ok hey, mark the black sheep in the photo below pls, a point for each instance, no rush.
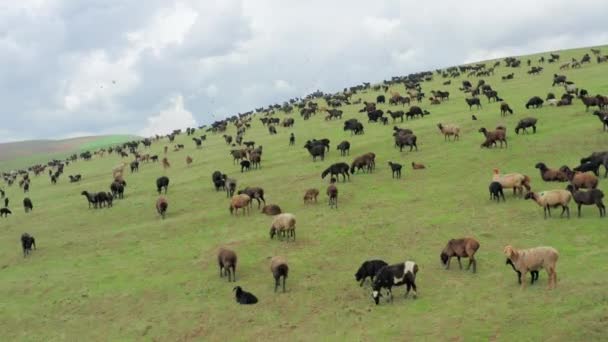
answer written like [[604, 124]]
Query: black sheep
[[6, 202], [396, 169], [590, 197], [27, 241], [525, 123], [369, 269], [533, 273], [473, 102], [395, 275], [90, 198], [134, 166], [534, 102], [27, 204], [245, 165], [219, 180], [244, 297], [337, 169], [315, 150], [118, 189], [292, 139], [600, 157], [593, 166], [162, 182], [344, 148], [496, 191], [5, 212]]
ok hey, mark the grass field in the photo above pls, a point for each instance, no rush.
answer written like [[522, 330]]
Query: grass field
[[125, 274]]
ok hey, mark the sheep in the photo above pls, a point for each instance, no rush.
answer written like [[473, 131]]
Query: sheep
[[332, 193], [315, 150], [603, 116], [369, 269], [402, 140], [279, 268], [533, 273], [504, 109], [590, 197], [310, 195], [188, 160], [364, 162], [245, 165], [271, 209], [534, 102], [230, 185], [533, 259], [118, 189], [493, 136], [226, 260], [161, 206], [219, 180], [584, 180], [460, 248], [525, 123], [27, 204], [598, 157], [134, 166], [244, 297], [395, 275], [449, 130], [418, 166], [396, 169], [5, 212], [515, 181], [496, 192], [90, 198], [473, 102], [551, 199], [283, 225], [592, 165], [344, 148], [551, 175], [240, 201], [162, 183], [254, 193], [337, 169], [27, 241]]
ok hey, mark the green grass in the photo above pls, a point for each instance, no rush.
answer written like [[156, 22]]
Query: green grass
[[125, 274]]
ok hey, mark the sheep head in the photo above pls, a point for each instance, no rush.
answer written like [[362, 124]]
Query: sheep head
[[510, 253], [444, 258], [273, 232]]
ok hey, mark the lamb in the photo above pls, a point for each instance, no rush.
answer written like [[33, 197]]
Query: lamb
[[460, 248], [161, 206], [27, 204], [240, 201], [396, 169], [245, 165], [515, 181], [244, 297], [395, 275], [162, 183], [5, 212], [590, 197], [493, 136], [279, 268], [226, 260], [534, 274], [525, 123], [27, 241], [332, 193], [552, 199], [551, 175], [369, 269], [496, 192], [364, 162], [283, 225], [504, 109], [449, 130], [418, 166], [310, 195], [344, 148], [271, 209], [533, 259]]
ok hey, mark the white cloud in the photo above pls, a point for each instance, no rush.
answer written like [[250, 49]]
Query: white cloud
[[283, 86], [380, 27], [176, 116], [211, 90]]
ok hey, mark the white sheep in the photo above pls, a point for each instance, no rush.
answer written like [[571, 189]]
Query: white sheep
[[534, 259], [552, 199], [283, 225]]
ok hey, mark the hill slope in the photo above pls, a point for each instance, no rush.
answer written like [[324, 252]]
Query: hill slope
[[123, 273]]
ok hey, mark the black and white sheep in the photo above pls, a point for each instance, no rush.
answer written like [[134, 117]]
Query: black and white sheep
[[395, 275]]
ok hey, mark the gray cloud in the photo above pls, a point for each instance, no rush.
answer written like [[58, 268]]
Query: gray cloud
[[116, 66]]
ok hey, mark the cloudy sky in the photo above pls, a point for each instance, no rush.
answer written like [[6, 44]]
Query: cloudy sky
[[82, 67]]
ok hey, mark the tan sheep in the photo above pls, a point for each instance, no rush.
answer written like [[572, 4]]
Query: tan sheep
[[279, 268], [239, 202], [310, 195], [516, 181], [449, 130], [533, 259], [283, 225], [584, 180], [552, 199]]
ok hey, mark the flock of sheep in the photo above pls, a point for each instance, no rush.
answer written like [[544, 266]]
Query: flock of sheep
[[283, 226]]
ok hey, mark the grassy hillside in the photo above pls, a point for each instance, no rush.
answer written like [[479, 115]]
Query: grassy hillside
[[25, 153], [125, 274]]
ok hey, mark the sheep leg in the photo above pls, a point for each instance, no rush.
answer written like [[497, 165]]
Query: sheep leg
[[522, 280], [579, 209], [284, 280], [409, 286], [276, 283], [447, 264], [459, 263], [415, 290]]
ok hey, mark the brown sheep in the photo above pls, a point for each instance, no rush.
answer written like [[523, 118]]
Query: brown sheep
[[188, 160], [418, 166], [161, 206], [166, 164], [492, 137], [237, 202], [365, 162], [584, 180], [271, 209], [226, 260], [332, 193], [551, 175], [466, 247], [310, 195], [279, 268], [515, 181]]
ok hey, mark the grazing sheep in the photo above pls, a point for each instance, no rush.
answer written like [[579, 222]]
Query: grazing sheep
[[473, 102], [254, 193], [534, 102], [240, 201], [584, 180], [515, 181], [226, 260], [279, 268], [396, 169], [332, 193], [271, 209], [27, 204], [365, 162], [418, 166], [504, 109], [525, 123], [27, 241], [590, 197], [395, 275], [161, 206], [310, 195], [460, 248], [284, 226], [5, 212], [230, 184], [162, 183], [492, 137], [496, 192], [449, 130], [551, 175], [552, 199], [244, 297], [337, 169], [533, 259], [369, 269], [534, 274], [344, 148]]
